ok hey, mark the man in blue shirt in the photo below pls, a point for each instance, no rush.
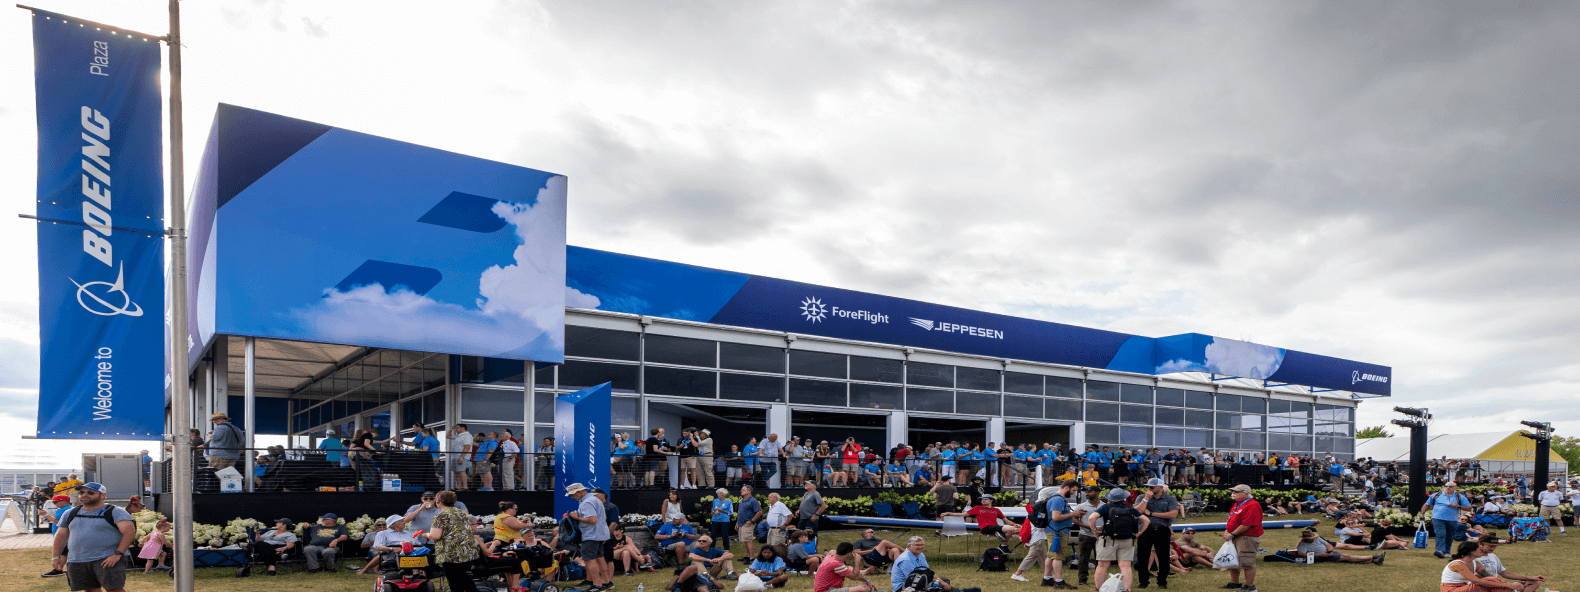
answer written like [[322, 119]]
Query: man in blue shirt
[[747, 515], [678, 536], [97, 547], [914, 558], [332, 445], [1445, 506], [947, 467], [480, 464], [1060, 519], [923, 477], [713, 560]]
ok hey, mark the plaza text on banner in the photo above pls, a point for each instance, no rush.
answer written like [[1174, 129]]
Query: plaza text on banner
[[581, 443], [101, 223]]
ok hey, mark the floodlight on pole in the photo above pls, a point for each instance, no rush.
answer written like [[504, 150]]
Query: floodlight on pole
[[1413, 412], [1539, 425], [1544, 439]]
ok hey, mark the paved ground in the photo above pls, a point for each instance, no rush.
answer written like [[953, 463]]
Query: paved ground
[[11, 539]]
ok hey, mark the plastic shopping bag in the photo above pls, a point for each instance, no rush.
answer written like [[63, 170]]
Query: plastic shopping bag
[[749, 582], [1227, 557], [1420, 538], [1115, 583]]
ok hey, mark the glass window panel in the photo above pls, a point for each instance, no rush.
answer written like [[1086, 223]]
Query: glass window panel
[[1301, 443], [1253, 441], [1344, 445], [663, 349], [1253, 405], [1171, 438], [1171, 397], [1278, 442], [623, 411], [1135, 414], [1059, 386], [929, 400], [1298, 409], [1197, 439], [1134, 436], [1324, 444], [871, 396], [817, 392], [545, 375], [1025, 384], [977, 379], [1135, 393], [752, 358], [1228, 421], [580, 375], [752, 387], [1198, 419], [1300, 426], [1173, 417], [433, 408], [587, 342], [1228, 439], [929, 374], [1228, 402], [411, 413], [1022, 406], [1102, 412], [678, 382], [1250, 422], [1102, 434], [1276, 406], [543, 408], [876, 369], [808, 363], [1344, 414], [1098, 390], [1198, 400], [1059, 408], [977, 403]]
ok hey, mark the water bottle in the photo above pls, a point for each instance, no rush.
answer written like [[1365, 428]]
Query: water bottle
[[640, 588]]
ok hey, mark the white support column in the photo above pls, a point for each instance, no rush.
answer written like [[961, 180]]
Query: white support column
[[995, 430], [1077, 438], [200, 388], [219, 375], [897, 429], [249, 384], [778, 423], [529, 436], [452, 416]]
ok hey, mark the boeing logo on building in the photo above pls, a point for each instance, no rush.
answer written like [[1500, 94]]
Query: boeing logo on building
[[814, 310], [1356, 377], [927, 325]]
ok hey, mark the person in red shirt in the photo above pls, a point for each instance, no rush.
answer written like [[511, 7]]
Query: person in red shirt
[[990, 520], [833, 572], [1245, 531], [850, 454]]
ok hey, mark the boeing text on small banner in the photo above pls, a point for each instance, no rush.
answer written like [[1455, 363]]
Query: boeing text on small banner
[[581, 443], [100, 250]]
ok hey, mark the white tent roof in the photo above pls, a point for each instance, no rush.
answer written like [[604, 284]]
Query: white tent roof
[[1453, 446]]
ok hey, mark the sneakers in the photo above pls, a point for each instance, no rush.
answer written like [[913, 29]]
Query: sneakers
[[1048, 582], [1141, 585], [1378, 558], [1231, 586], [1248, 589], [1439, 555], [1062, 586], [1018, 578], [54, 573]]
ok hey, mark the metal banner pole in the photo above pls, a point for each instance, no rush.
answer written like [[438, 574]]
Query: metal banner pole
[[180, 396], [249, 405]]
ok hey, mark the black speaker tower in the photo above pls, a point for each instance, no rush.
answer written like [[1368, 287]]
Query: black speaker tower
[[1417, 425], [1544, 439]]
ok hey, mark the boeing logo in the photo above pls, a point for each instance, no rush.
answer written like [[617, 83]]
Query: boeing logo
[[814, 310], [103, 307], [927, 325], [1356, 377]]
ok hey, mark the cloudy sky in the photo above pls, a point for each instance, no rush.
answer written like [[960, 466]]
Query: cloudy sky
[[1388, 182]]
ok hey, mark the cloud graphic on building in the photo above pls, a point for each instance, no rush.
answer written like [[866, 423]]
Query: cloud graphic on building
[[1242, 359]]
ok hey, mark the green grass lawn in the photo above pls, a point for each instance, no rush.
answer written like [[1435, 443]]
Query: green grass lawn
[[1404, 570]]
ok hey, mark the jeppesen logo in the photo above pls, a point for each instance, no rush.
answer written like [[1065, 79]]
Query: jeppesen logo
[[927, 325], [813, 309], [1356, 377]]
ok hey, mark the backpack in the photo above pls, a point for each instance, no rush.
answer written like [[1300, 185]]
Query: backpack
[[1040, 517], [570, 529], [572, 571], [1121, 523], [993, 559], [919, 580], [497, 456], [108, 516]]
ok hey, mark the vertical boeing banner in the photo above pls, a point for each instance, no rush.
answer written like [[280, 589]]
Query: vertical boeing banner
[[581, 443], [100, 232]]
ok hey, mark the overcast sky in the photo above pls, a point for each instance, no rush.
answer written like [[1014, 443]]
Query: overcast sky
[[1394, 183]]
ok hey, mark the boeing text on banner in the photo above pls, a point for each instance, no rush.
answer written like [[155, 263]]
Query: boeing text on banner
[[100, 245], [581, 443]]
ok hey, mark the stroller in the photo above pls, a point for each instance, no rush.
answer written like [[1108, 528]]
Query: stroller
[[406, 570]]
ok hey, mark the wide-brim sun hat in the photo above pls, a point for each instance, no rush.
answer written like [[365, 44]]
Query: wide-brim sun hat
[[1117, 495], [574, 488]]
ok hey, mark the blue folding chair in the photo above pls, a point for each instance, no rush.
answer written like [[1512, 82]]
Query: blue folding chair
[[913, 510], [884, 509]]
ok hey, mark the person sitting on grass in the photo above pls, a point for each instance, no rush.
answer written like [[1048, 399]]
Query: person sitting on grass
[[1193, 551], [717, 563], [801, 554], [1176, 556], [833, 573], [691, 578], [677, 536], [874, 552], [1380, 539], [1465, 573], [1489, 561], [1322, 551], [770, 568], [1476, 531]]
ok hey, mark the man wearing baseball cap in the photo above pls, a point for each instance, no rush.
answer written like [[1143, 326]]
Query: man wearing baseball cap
[[1245, 531], [98, 536], [595, 530], [1161, 508], [224, 443]]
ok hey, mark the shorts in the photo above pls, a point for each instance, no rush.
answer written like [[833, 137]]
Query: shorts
[[850, 466], [1550, 513], [688, 462], [1246, 546], [1209, 470], [993, 530], [1125, 550], [1055, 538], [90, 574], [482, 467], [845, 589], [1188, 470], [732, 473], [875, 558], [463, 466], [608, 551], [795, 469]]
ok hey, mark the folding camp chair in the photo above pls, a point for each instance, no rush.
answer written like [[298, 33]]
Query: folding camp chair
[[883, 509], [913, 510], [1193, 505]]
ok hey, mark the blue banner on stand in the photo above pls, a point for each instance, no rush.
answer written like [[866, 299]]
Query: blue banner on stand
[[581, 443], [100, 235]]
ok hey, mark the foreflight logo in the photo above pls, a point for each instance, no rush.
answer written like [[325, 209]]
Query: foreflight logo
[[104, 307], [927, 325], [1356, 377], [813, 309]]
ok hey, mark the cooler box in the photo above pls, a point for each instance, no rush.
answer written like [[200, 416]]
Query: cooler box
[[392, 483], [229, 480], [219, 557]]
